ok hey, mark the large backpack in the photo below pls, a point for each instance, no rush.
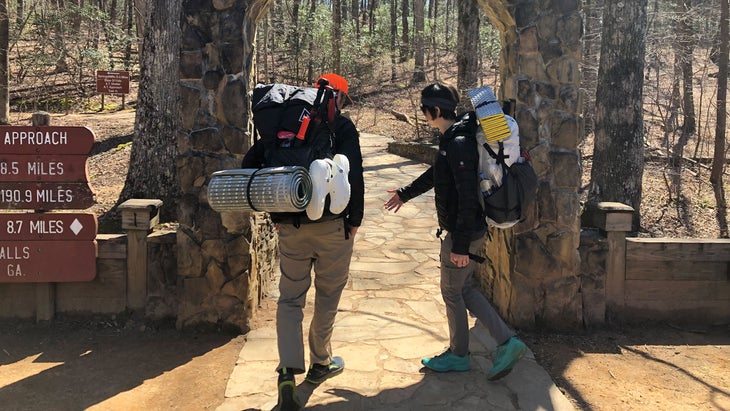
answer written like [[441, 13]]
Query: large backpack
[[295, 124], [507, 181]]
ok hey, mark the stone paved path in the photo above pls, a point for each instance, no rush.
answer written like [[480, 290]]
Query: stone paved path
[[391, 315]]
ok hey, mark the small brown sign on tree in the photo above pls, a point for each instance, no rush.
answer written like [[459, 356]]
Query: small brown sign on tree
[[112, 82]]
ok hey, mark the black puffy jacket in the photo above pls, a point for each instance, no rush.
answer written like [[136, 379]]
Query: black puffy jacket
[[454, 179]]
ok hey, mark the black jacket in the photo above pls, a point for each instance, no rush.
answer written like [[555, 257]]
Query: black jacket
[[454, 179], [347, 142]]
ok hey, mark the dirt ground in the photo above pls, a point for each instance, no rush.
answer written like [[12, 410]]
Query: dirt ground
[[122, 363], [112, 364]]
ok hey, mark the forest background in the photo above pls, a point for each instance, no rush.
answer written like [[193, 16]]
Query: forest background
[[388, 50]]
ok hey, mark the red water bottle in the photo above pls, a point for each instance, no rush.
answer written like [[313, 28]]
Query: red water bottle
[[303, 128]]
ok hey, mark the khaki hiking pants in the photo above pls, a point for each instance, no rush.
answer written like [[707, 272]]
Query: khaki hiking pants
[[321, 246], [460, 293]]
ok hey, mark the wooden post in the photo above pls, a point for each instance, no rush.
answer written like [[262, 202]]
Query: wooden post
[[138, 218], [615, 219], [45, 293]]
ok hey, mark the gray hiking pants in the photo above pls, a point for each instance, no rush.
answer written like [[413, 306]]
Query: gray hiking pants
[[460, 293], [321, 246]]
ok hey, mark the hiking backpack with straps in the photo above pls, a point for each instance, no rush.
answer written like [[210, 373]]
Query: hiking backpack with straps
[[295, 124], [507, 181]]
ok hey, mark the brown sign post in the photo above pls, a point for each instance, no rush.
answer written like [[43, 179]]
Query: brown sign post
[[112, 82], [43, 169]]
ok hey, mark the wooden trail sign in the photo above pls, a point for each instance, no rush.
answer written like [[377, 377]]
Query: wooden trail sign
[[47, 226], [45, 196], [47, 261], [45, 168], [45, 140], [50, 167], [112, 82]]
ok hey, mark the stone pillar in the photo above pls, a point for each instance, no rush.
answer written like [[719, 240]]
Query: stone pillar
[[533, 276], [214, 252]]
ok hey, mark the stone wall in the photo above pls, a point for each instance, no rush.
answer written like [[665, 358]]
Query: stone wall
[[220, 280], [533, 274]]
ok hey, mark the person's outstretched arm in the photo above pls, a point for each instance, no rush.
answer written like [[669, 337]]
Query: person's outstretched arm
[[400, 196]]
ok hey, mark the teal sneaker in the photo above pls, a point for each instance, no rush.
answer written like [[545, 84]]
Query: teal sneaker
[[288, 400], [505, 358], [318, 373], [447, 361]]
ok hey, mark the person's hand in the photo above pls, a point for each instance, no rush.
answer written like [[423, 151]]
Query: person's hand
[[459, 260], [353, 231], [394, 203]]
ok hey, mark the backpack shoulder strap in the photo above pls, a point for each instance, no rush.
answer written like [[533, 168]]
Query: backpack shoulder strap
[[500, 157]]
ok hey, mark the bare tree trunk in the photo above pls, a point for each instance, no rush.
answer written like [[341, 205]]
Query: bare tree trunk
[[337, 34], [405, 48], [591, 49], [355, 11], [140, 12], [419, 72], [372, 6], [683, 48], [344, 10], [719, 160], [434, 39], [447, 29], [467, 46], [393, 36], [113, 12], [59, 42], [130, 25], [20, 14], [262, 50], [4, 63], [618, 159], [152, 172], [77, 17], [310, 64], [293, 36]]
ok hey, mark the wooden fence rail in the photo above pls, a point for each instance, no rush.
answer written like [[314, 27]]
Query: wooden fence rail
[[671, 279]]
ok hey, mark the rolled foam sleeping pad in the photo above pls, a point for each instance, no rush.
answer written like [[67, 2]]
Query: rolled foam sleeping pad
[[274, 189]]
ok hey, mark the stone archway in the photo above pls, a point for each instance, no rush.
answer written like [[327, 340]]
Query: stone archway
[[538, 282], [219, 267], [222, 260]]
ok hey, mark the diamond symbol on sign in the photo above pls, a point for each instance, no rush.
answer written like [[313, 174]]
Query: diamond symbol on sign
[[76, 226]]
